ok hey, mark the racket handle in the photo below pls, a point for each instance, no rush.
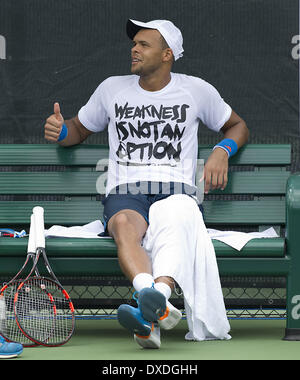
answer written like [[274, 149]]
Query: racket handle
[[31, 240], [38, 213]]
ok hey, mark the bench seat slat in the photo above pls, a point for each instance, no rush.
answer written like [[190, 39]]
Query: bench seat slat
[[106, 247]]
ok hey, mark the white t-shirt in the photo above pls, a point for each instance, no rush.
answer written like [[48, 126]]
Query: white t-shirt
[[153, 135]]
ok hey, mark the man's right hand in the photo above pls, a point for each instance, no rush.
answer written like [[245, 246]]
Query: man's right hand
[[54, 124]]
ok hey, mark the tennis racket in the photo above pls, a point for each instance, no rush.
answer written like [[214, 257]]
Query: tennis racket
[[8, 326], [43, 309]]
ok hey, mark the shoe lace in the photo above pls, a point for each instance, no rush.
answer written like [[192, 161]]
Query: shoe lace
[[135, 296]]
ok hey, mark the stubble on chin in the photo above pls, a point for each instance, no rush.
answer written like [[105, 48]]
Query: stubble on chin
[[136, 71]]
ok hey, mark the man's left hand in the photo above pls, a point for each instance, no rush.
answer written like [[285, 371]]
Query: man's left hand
[[216, 170]]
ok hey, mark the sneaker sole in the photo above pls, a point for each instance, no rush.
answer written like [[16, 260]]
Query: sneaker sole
[[171, 320], [152, 304], [129, 321], [147, 342], [9, 356]]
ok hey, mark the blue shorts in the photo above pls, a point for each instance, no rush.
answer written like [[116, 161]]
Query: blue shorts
[[140, 196]]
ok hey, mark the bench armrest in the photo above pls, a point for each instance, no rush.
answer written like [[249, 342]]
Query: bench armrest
[[293, 214], [292, 233]]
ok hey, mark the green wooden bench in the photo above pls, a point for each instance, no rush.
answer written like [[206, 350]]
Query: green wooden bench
[[261, 192]]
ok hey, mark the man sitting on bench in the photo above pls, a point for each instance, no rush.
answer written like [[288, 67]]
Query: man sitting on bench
[[152, 117]]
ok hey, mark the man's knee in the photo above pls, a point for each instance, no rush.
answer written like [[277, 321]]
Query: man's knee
[[127, 227], [119, 221], [118, 226]]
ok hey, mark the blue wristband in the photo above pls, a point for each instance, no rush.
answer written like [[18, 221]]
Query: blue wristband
[[63, 133], [229, 145]]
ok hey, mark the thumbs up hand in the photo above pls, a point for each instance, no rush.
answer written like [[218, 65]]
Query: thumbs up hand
[[53, 125], [57, 113]]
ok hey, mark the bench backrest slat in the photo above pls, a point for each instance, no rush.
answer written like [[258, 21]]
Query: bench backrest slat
[[84, 183], [80, 212], [89, 155], [254, 196]]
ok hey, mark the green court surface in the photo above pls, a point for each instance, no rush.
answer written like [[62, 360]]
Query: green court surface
[[107, 340]]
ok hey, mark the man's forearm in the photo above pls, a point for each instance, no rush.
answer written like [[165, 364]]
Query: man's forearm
[[238, 132], [216, 166]]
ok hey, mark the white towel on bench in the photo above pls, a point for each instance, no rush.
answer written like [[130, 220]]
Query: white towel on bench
[[87, 231], [179, 246], [238, 240], [235, 239]]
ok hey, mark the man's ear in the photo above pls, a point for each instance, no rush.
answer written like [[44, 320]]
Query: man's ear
[[168, 55]]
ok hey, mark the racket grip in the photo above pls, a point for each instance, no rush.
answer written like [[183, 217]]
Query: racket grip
[[38, 213], [31, 240]]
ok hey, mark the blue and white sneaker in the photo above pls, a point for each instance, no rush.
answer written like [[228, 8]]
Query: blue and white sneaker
[[150, 341], [152, 304], [155, 307], [146, 334], [171, 317], [9, 350]]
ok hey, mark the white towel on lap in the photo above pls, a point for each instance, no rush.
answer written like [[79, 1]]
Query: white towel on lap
[[179, 246]]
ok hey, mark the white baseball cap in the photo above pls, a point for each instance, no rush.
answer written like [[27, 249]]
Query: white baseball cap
[[167, 29]]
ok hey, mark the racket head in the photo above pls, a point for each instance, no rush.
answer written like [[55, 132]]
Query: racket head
[[44, 311], [9, 328], [8, 325]]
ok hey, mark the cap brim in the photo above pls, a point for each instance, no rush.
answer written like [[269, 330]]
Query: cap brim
[[132, 28]]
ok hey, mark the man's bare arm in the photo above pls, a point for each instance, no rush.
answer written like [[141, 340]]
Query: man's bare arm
[[77, 132], [216, 167], [236, 129]]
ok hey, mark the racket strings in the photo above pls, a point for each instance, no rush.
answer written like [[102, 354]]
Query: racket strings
[[43, 312], [9, 328]]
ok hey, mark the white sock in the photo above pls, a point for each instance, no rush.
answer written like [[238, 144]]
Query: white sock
[[163, 288], [142, 280]]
